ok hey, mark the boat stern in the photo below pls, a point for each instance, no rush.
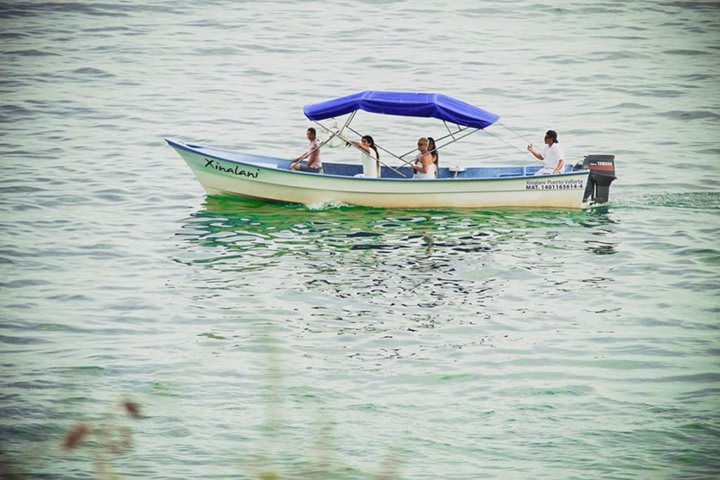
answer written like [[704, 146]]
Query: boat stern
[[602, 174]]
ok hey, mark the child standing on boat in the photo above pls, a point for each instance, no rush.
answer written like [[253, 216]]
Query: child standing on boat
[[314, 165]]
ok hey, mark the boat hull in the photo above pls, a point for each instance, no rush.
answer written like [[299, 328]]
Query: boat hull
[[223, 172]]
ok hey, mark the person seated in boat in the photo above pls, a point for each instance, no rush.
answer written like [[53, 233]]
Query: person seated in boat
[[370, 156], [552, 156], [314, 165], [424, 165], [432, 148]]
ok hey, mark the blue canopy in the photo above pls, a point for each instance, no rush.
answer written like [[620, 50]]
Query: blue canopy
[[433, 105]]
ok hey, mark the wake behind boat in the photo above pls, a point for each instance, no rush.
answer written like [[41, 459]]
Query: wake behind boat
[[231, 172]]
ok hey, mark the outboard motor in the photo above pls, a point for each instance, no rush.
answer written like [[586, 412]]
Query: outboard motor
[[602, 173]]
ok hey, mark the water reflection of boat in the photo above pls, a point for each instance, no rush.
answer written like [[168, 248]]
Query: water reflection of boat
[[252, 225], [229, 172], [354, 258]]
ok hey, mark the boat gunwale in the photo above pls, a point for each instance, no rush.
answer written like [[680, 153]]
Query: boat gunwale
[[195, 150]]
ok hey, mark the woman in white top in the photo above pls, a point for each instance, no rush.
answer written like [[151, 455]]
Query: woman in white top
[[552, 156], [424, 165], [370, 156]]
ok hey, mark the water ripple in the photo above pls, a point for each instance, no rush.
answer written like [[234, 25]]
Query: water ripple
[[440, 341]]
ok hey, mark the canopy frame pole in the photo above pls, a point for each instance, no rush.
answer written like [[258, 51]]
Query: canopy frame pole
[[347, 122], [319, 145], [360, 149], [451, 134], [472, 130], [335, 134], [378, 146], [438, 140], [455, 139], [450, 131]]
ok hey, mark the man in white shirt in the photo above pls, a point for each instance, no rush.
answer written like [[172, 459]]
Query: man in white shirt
[[552, 156]]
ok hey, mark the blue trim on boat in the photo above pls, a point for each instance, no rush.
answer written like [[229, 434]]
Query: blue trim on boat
[[349, 170]]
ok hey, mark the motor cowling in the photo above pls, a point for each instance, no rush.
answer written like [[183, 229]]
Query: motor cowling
[[602, 174]]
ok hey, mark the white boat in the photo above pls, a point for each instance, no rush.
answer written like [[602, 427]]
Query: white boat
[[231, 172]]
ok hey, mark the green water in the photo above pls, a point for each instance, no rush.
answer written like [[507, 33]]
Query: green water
[[279, 341]]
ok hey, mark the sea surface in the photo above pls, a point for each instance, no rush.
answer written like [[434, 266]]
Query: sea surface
[[150, 331]]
